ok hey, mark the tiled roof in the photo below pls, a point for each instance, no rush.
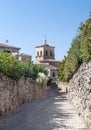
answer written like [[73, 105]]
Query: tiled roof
[[26, 55], [45, 45], [49, 60], [51, 67], [7, 46]]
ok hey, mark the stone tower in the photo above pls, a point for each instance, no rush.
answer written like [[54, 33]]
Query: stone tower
[[44, 52]]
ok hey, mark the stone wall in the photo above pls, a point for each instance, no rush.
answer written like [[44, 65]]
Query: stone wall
[[80, 91], [14, 93]]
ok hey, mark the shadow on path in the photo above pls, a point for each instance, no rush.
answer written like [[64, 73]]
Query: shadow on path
[[53, 112]]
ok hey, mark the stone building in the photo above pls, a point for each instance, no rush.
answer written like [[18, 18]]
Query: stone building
[[25, 57], [45, 55], [9, 49], [15, 51]]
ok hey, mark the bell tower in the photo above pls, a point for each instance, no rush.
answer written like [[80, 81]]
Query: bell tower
[[44, 52]]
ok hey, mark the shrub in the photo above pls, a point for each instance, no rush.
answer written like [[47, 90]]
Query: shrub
[[42, 79], [14, 68]]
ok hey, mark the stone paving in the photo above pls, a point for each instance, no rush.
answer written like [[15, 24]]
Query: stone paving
[[53, 112]]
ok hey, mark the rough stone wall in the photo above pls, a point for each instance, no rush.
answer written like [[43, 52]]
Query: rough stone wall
[[80, 91], [14, 93]]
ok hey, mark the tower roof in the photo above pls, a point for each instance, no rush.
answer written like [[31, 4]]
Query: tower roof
[[44, 44]]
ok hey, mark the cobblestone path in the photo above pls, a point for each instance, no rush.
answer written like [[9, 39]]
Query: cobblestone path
[[53, 112]]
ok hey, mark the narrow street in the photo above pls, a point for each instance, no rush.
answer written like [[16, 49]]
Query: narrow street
[[53, 112]]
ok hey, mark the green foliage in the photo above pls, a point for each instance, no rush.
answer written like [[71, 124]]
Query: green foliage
[[79, 52], [85, 31], [42, 79], [49, 81], [14, 68], [9, 65], [31, 70]]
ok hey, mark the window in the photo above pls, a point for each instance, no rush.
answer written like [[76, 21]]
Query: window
[[40, 53], [50, 53], [37, 53], [46, 53]]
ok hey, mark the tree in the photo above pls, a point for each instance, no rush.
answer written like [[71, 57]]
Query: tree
[[79, 52], [70, 63]]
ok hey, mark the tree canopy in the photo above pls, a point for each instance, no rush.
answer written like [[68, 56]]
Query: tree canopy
[[79, 52], [14, 68]]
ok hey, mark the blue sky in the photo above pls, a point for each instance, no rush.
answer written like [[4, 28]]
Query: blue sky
[[25, 23]]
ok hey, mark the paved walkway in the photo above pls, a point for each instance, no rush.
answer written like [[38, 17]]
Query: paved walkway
[[52, 112]]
